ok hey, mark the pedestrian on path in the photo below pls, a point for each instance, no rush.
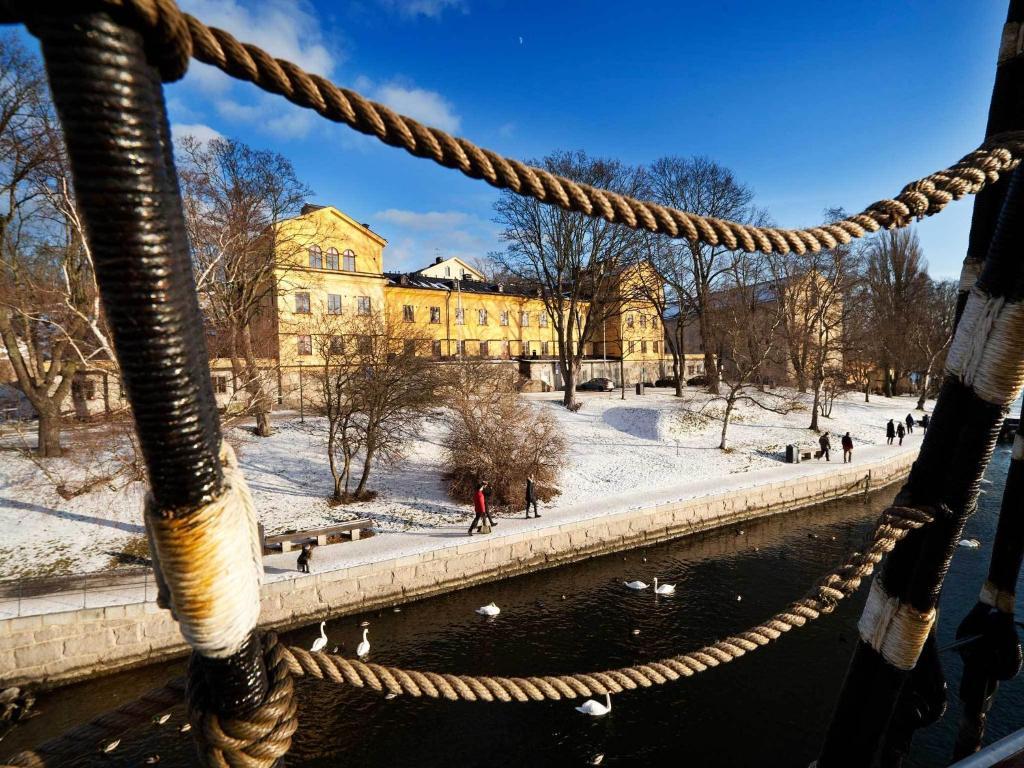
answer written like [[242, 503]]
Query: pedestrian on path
[[531, 497], [910, 424], [826, 446], [305, 555], [847, 449], [900, 432], [890, 431], [925, 421], [480, 509]]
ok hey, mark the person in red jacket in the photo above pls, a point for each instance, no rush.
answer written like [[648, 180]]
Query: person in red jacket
[[480, 508]]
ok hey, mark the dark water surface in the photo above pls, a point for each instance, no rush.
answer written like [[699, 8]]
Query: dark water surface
[[770, 708]]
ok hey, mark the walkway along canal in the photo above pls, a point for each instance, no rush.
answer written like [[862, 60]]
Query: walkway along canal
[[771, 708]]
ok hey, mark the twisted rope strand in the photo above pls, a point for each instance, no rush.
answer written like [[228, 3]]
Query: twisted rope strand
[[174, 37]]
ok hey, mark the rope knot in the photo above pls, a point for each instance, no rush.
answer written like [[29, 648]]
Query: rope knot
[[254, 739]]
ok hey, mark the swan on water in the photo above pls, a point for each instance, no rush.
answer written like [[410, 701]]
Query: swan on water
[[596, 708], [664, 589], [161, 719], [110, 746], [636, 584], [321, 642], [364, 647], [970, 543], [489, 610]]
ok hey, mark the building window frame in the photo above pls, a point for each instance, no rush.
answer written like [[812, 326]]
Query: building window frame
[[363, 305], [331, 261], [220, 385], [460, 316], [503, 317], [333, 303], [524, 319], [316, 257], [484, 349], [409, 313], [629, 321], [304, 344], [435, 315], [302, 306], [348, 260], [481, 316], [542, 319]]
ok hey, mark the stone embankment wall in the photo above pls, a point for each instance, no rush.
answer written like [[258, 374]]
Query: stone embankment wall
[[60, 647]]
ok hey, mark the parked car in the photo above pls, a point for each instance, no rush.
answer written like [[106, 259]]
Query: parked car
[[667, 382], [698, 381], [597, 385]]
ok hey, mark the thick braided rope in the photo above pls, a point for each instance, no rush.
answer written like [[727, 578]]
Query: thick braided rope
[[895, 524], [174, 36], [254, 739]]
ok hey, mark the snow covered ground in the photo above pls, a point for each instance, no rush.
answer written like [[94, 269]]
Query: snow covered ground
[[620, 452]]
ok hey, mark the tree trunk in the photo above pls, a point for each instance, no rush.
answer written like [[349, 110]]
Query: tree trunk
[[366, 472], [333, 466], [258, 400], [570, 373], [78, 401], [815, 407], [710, 367], [725, 422], [49, 433]]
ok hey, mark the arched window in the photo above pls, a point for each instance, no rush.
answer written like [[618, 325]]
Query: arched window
[[316, 257], [348, 260], [332, 258]]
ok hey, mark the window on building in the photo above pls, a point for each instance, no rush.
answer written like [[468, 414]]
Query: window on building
[[461, 347], [89, 388], [305, 344], [506, 349], [542, 319], [363, 305], [333, 304], [410, 346], [365, 345], [447, 271], [544, 348], [435, 315], [643, 346], [337, 345], [348, 260], [632, 347], [524, 319], [483, 349], [460, 316], [503, 317], [435, 349], [316, 257], [220, 384], [332, 258], [629, 321], [481, 317], [408, 313], [643, 321], [302, 303], [656, 345], [654, 321]]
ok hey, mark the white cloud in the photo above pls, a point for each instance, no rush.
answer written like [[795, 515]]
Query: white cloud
[[198, 131], [284, 28], [426, 106], [433, 9], [415, 220]]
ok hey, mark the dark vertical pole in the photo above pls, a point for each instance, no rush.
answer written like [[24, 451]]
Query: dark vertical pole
[[111, 106]]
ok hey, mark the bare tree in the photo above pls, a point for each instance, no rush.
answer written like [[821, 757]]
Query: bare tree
[[898, 284], [575, 260], [932, 330], [664, 282], [692, 268], [746, 329], [235, 197]]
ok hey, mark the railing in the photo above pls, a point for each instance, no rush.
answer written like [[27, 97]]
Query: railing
[[52, 594]]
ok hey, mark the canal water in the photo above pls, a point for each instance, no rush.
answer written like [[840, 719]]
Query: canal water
[[771, 707]]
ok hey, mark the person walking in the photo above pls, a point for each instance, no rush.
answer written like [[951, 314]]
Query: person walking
[[900, 432], [480, 508], [531, 497], [925, 421], [910, 424], [890, 431], [826, 446], [847, 449], [305, 555]]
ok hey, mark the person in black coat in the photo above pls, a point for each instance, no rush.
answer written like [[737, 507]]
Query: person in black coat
[[826, 446], [890, 431], [910, 424], [900, 432], [925, 421], [531, 497]]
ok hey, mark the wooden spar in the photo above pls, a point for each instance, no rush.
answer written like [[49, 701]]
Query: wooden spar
[[880, 705], [110, 101]]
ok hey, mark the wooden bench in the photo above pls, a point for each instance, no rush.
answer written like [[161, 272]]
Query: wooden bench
[[318, 536]]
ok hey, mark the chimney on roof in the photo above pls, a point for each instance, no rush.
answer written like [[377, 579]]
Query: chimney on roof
[[438, 259], [403, 279], [365, 225], [310, 207], [501, 288]]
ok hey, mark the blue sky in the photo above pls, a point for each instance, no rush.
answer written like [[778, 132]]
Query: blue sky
[[812, 104]]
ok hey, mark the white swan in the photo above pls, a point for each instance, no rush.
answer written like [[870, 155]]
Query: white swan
[[596, 708], [636, 584], [664, 589], [364, 647], [970, 543], [320, 642], [489, 610]]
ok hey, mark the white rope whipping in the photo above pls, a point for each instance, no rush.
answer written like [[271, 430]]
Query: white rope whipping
[[987, 353], [969, 275], [897, 631], [996, 598], [1017, 452], [209, 565]]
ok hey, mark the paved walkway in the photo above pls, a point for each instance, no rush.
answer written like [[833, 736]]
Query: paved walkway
[[388, 546]]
